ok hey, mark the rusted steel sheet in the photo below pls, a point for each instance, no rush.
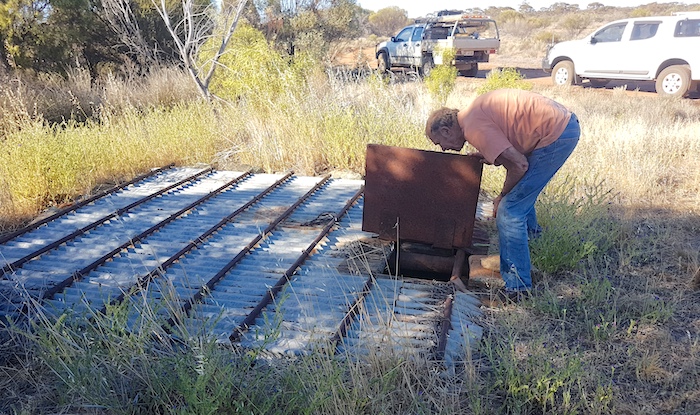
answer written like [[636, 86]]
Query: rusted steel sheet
[[421, 196]]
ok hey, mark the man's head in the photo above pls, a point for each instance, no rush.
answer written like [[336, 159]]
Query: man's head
[[443, 129]]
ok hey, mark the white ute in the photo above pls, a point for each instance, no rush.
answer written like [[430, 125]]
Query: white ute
[[665, 49], [472, 38]]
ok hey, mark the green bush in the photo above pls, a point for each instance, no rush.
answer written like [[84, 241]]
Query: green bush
[[250, 69], [442, 78], [575, 227], [504, 78]]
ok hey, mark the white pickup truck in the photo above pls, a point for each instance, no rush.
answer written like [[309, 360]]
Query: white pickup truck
[[419, 46], [665, 49]]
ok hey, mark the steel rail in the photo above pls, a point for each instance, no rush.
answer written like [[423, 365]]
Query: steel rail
[[445, 326], [353, 311], [274, 290], [18, 263], [78, 275], [80, 204], [142, 281], [243, 252]]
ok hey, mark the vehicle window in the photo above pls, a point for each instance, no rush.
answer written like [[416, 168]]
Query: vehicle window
[[687, 28], [478, 29], [417, 34], [404, 35], [436, 32], [611, 33], [644, 30]]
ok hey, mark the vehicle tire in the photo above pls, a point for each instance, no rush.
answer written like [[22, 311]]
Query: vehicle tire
[[674, 81], [471, 72], [426, 67], [563, 74], [598, 83], [383, 64]]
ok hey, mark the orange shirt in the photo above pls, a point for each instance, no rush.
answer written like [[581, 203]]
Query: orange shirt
[[503, 118]]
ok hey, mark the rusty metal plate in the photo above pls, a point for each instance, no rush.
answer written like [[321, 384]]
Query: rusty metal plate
[[421, 196]]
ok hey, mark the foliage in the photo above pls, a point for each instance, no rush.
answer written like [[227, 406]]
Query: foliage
[[44, 35], [54, 35], [575, 227], [547, 37], [441, 80], [562, 8], [574, 24], [641, 12], [306, 26], [388, 21], [504, 78], [544, 381], [47, 166], [254, 70]]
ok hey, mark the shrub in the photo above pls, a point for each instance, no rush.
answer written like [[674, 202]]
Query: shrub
[[442, 78], [641, 12], [547, 37], [575, 227], [504, 78], [251, 68], [574, 24]]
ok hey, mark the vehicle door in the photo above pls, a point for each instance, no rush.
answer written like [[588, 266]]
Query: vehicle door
[[415, 50], [398, 47], [601, 54], [686, 43], [635, 60]]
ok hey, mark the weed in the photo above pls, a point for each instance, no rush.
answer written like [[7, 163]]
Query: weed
[[441, 80], [576, 227], [504, 78]]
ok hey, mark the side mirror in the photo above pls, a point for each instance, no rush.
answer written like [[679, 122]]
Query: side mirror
[[393, 38], [593, 40]]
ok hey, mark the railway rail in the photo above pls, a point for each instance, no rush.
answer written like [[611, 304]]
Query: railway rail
[[269, 261]]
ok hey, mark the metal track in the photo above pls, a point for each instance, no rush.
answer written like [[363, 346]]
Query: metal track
[[274, 262]]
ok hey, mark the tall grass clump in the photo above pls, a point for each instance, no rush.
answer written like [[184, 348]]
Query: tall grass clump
[[543, 376], [504, 78], [577, 225], [48, 166]]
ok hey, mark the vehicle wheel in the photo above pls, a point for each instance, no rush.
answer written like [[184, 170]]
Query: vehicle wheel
[[563, 74], [383, 63], [427, 67], [674, 81], [598, 83], [471, 72]]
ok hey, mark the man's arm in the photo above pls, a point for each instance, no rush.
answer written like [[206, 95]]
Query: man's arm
[[516, 166]]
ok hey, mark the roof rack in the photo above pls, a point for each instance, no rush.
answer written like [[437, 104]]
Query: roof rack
[[449, 16]]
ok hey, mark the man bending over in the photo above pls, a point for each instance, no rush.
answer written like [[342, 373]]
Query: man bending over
[[531, 136]]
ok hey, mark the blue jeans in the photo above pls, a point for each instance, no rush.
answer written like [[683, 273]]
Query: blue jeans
[[516, 218]]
